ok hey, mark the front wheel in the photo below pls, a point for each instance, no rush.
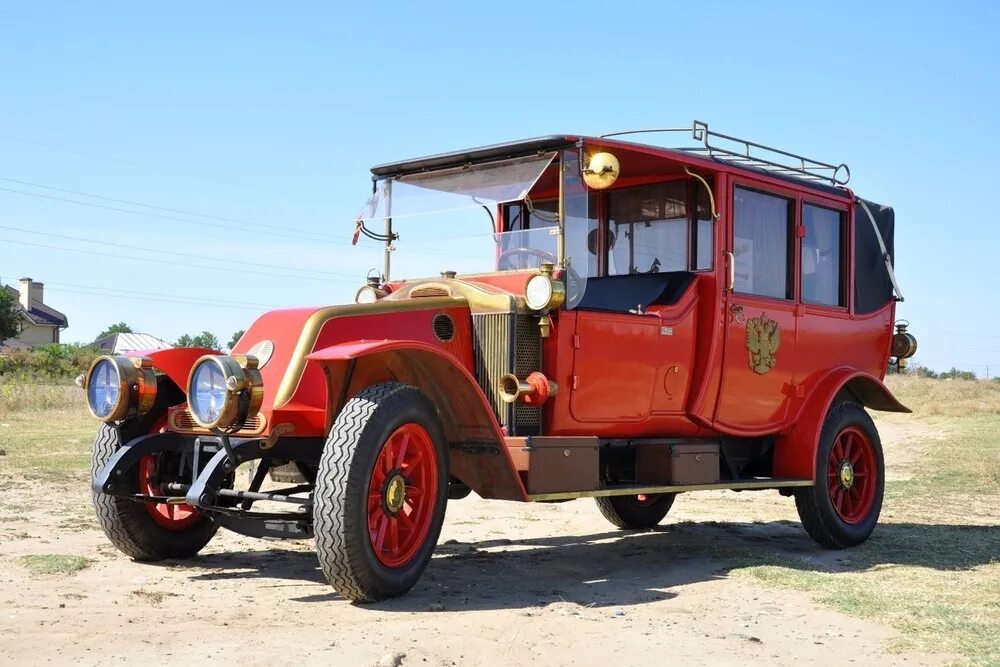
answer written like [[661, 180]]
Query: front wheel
[[381, 492], [146, 531], [841, 509], [641, 511]]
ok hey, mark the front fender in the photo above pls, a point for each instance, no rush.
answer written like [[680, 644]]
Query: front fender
[[478, 453], [175, 362], [795, 451]]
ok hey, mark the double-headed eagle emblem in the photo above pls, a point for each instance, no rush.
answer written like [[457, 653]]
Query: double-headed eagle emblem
[[763, 339]]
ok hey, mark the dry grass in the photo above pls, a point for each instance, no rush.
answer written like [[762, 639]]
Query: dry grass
[[932, 568], [43, 564], [18, 397], [45, 430], [947, 398]]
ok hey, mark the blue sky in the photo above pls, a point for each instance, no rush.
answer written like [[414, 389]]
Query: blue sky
[[251, 113]]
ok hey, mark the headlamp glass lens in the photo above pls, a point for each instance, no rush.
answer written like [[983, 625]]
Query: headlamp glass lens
[[538, 292], [103, 389], [207, 395]]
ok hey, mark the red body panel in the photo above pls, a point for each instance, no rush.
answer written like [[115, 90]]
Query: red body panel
[[679, 370], [795, 450], [467, 416], [175, 362]]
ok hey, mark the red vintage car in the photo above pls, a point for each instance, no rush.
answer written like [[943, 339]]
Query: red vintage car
[[611, 320]]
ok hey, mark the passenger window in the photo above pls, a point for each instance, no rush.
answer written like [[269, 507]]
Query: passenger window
[[649, 229], [822, 256], [761, 242]]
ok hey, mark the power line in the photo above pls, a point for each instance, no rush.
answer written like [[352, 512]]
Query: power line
[[103, 290], [316, 239], [152, 300], [272, 230], [204, 267], [154, 206], [144, 165], [206, 299], [132, 247], [152, 297]]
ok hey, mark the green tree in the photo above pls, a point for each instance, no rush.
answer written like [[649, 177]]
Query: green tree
[[236, 338], [204, 339], [956, 374], [10, 315], [121, 327]]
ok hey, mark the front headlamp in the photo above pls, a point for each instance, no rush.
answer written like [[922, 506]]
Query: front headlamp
[[120, 387], [543, 292], [224, 391], [371, 291]]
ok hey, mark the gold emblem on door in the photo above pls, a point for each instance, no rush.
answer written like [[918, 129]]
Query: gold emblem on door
[[763, 339]]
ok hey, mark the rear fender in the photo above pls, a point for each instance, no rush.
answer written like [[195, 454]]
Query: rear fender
[[477, 452], [795, 451]]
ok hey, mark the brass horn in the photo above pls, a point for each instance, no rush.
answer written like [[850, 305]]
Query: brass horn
[[534, 390]]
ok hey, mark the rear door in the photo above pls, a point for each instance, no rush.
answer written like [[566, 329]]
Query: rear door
[[760, 322]]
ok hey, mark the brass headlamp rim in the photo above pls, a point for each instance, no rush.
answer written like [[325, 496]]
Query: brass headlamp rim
[[557, 295], [241, 375], [378, 291], [136, 386]]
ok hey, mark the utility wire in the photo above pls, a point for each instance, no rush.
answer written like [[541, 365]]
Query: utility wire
[[144, 165], [116, 290], [155, 207], [154, 300], [158, 251], [316, 239], [204, 267], [152, 297]]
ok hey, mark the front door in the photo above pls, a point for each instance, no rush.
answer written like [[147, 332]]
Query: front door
[[760, 327]]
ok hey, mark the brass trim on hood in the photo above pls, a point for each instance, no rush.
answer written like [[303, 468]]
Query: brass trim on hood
[[482, 298], [314, 324]]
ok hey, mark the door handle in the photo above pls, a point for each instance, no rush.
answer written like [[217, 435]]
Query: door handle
[[736, 310], [731, 265]]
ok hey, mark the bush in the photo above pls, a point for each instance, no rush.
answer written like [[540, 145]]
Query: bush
[[52, 362], [955, 374]]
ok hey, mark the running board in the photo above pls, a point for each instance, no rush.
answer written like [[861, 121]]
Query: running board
[[756, 484]]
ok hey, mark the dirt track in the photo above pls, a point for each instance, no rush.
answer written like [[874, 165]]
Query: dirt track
[[509, 584]]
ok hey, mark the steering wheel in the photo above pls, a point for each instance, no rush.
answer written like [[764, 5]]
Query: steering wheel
[[506, 255]]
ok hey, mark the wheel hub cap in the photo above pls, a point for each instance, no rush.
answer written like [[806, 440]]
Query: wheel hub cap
[[846, 475], [395, 493]]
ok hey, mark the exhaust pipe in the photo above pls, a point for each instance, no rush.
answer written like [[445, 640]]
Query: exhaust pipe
[[534, 390]]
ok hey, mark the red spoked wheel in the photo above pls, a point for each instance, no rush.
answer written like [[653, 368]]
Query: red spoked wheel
[[381, 492], [402, 494], [842, 508], [852, 475], [169, 516], [146, 531]]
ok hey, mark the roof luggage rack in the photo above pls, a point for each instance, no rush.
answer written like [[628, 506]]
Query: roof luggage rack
[[752, 154]]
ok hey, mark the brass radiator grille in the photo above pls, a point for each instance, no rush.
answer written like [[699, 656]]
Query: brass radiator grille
[[507, 343]]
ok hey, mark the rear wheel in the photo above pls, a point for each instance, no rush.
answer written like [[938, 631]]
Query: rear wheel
[[381, 492], [150, 531], [640, 511], [842, 508]]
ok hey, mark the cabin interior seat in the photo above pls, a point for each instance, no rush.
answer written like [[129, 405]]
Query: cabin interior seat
[[621, 294]]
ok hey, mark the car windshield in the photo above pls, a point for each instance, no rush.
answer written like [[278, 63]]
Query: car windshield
[[497, 216]]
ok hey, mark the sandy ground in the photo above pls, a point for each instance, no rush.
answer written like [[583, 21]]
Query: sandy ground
[[510, 584]]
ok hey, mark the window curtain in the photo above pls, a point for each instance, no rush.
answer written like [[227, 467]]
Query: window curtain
[[760, 244]]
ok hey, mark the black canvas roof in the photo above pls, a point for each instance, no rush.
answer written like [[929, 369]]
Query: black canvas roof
[[558, 141], [481, 154]]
